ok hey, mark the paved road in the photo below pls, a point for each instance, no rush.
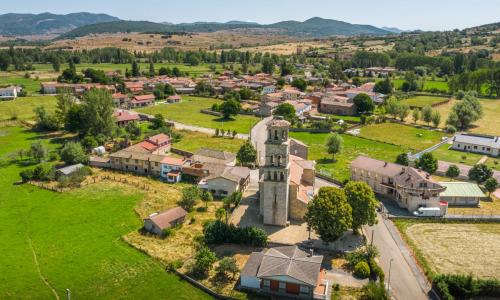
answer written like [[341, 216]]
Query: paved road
[[407, 281]]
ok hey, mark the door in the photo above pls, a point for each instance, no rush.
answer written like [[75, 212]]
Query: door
[[292, 288], [275, 285]]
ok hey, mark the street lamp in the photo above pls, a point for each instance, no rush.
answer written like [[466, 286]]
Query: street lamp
[[389, 280]]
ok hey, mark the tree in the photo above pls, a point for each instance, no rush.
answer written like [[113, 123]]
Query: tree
[[299, 83], [158, 122], [416, 115], [73, 153], [491, 184], [362, 200], [133, 130], [56, 63], [65, 101], [480, 173], [428, 163], [465, 112], [364, 103], [203, 262], [219, 213], [427, 114], [436, 118], [5, 61], [189, 197], [151, 70], [235, 198], [334, 144], [97, 113], [206, 197], [226, 266], [329, 214], [268, 65], [384, 86], [453, 171], [410, 84], [402, 159], [230, 108], [286, 69], [402, 111], [135, 69], [45, 121], [38, 152], [204, 89], [287, 111], [89, 142], [247, 154]]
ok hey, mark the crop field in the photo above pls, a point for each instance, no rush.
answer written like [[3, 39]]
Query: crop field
[[57, 241], [421, 101], [22, 107], [458, 248], [188, 112], [353, 147], [406, 136]]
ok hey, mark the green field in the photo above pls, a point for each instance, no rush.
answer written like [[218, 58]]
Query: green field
[[466, 158], [23, 107], [403, 135], [421, 101], [76, 239], [192, 141], [188, 112], [30, 84], [353, 147], [429, 84]]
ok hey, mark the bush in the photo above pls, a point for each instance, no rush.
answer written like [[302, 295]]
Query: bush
[[362, 270], [26, 175], [356, 257], [376, 270], [173, 265], [451, 129], [167, 232], [218, 232], [204, 260], [465, 287], [374, 291]]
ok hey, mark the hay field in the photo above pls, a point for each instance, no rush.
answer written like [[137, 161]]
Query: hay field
[[459, 248]]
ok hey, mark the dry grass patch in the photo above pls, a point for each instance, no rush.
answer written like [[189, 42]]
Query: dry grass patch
[[455, 248], [486, 207]]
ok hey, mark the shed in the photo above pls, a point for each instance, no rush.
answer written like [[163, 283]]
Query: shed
[[66, 171], [156, 223], [461, 193]]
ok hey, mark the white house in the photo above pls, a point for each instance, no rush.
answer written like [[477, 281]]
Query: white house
[[171, 168], [9, 92], [484, 144], [224, 180], [268, 89]]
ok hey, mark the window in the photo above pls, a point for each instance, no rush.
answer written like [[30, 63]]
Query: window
[[276, 135], [276, 176], [279, 160], [304, 289], [156, 164], [282, 285], [269, 177], [267, 283], [282, 176]]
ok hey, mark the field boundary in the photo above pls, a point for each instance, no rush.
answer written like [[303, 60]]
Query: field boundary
[[45, 281]]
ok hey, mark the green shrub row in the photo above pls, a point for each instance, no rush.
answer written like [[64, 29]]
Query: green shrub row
[[451, 287], [218, 232]]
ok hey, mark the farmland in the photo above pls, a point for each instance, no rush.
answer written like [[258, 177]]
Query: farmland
[[22, 107], [406, 136], [421, 101], [76, 239], [353, 147], [455, 248], [192, 141], [188, 112]]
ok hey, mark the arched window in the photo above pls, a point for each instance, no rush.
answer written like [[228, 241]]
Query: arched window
[[282, 176], [272, 159], [269, 134], [283, 134], [279, 160], [275, 175], [276, 134]]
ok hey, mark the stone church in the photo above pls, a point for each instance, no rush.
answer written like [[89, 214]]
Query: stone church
[[286, 181]]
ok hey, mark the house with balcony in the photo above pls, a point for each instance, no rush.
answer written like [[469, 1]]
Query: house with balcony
[[287, 272], [410, 188]]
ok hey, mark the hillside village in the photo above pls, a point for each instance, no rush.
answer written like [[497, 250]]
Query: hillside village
[[364, 169]]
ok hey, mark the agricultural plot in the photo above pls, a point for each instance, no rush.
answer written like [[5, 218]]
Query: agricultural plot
[[192, 141], [22, 107], [458, 248], [422, 101], [188, 112], [353, 147], [30, 84], [75, 238], [402, 135]]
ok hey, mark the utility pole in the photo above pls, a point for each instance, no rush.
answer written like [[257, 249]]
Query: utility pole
[[389, 280], [371, 243], [68, 294]]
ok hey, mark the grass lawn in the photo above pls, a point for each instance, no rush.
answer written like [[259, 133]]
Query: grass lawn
[[454, 248], [188, 112], [30, 84], [76, 237], [23, 107], [489, 123], [353, 147], [454, 156], [421, 101], [402, 135], [192, 141]]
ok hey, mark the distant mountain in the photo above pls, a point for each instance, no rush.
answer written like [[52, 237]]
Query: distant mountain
[[393, 29], [314, 27], [47, 23]]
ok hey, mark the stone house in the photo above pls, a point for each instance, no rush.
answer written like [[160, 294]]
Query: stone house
[[156, 223]]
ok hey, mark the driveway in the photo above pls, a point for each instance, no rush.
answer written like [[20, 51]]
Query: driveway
[[345, 279], [407, 281]]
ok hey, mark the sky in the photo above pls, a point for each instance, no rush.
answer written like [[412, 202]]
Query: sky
[[404, 14]]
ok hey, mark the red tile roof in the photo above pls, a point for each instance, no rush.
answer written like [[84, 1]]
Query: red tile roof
[[144, 98]]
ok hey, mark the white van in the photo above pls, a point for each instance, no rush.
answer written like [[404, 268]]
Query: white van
[[428, 212]]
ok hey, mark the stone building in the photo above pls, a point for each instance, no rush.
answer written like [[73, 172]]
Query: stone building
[[286, 181]]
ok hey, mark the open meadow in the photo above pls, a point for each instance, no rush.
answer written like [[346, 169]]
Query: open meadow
[[22, 107], [455, 248], [402, 135], [188, 112], [72, 240], [353, 147], [421, 101], [192, 141]]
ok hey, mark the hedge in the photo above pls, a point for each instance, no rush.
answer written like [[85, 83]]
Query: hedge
[[451, 287], [218, 232]]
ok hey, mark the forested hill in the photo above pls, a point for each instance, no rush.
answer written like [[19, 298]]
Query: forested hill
[[47, 23], [314, 27]]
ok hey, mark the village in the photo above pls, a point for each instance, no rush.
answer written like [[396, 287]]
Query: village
[[346, 170]]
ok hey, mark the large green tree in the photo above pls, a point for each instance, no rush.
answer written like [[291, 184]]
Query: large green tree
[[73, 153], [364, 103], [247, 154], [97, 113], [230, 108], [480, 173], [287, 111], [465, 112], [428, 163], [329, 214], [334, 144], [362, 200]]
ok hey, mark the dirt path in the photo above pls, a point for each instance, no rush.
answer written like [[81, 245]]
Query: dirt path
[[45, 281]]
